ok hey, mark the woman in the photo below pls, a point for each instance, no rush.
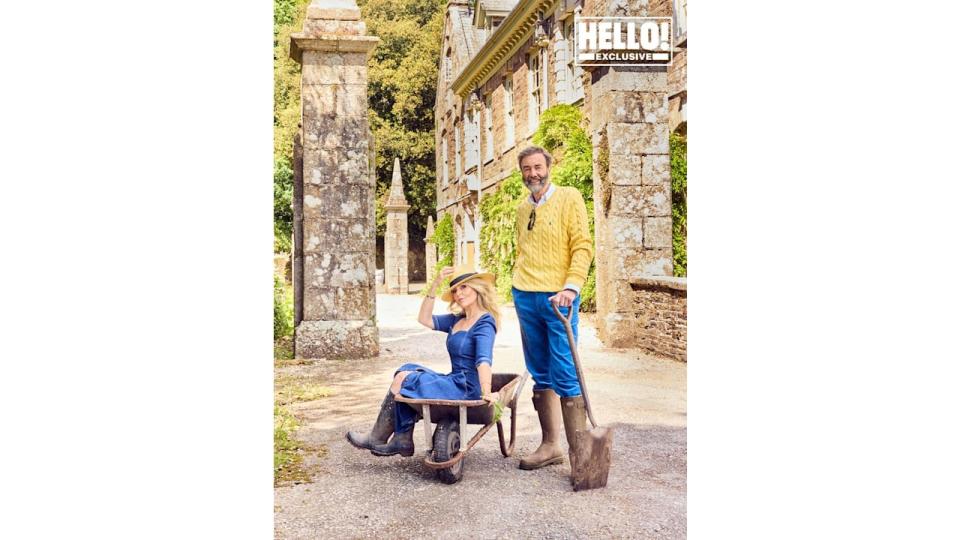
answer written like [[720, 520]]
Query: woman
[[471, 329]]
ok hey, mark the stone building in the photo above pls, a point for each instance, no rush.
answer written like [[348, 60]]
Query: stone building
[[502, 64]]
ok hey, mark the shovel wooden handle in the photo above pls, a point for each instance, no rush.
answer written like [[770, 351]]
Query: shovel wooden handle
[[566, 320]]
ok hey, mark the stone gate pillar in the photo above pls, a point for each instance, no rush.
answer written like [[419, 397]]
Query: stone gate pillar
[[629, 115], [632, 198], [396, 244], [338, 239], [431, 250]]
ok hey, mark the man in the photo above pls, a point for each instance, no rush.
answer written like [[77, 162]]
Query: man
[[554, 251]]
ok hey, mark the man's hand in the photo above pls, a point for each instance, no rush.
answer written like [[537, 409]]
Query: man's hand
[[564, 298]]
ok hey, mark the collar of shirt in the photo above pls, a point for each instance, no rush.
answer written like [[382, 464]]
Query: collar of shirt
[[538, 204]]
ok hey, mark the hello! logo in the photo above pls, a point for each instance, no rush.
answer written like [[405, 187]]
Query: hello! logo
[[623, 41]]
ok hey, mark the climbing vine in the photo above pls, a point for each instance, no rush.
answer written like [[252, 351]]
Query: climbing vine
[[445, 241], [561, 134], [678, 185], [498, 236]]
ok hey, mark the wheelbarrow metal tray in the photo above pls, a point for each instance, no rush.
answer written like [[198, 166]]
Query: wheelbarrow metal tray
[[479, 412]]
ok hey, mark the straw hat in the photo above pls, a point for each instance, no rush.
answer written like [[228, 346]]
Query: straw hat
[[464, 273]]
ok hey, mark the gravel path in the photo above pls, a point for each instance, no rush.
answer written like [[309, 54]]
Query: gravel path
[[357, 495]]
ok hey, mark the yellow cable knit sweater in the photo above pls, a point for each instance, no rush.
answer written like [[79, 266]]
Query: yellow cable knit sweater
[[558, 250]]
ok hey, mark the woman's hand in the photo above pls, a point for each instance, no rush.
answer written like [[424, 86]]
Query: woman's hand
[[491, 397], [443, 275]]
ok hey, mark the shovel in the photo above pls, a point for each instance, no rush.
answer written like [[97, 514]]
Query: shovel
[[590, 457]]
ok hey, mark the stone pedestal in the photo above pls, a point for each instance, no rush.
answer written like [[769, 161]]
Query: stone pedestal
[[337, 239], [431, 251], [396, 243]]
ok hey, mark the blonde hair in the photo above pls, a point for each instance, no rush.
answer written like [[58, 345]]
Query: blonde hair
[[486, 298]]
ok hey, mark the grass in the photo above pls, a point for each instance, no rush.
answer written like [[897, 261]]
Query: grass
[[288, 451], [289, 390], [285, 447]]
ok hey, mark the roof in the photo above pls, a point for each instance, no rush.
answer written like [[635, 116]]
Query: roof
[[466, 39], [497, 5]]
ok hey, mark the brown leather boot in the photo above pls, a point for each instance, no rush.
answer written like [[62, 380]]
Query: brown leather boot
[[574, 420], [547, 406], [382, 428]]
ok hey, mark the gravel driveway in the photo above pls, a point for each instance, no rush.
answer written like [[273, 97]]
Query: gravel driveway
[[357, 495]]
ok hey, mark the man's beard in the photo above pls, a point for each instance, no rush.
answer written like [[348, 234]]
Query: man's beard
[[533, 186]]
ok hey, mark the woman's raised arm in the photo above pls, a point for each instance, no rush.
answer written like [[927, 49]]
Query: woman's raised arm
[[426, 308]]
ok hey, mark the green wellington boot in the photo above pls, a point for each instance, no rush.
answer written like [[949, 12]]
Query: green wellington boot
[[401, 443], [547, 405], [382, 428], [574, 420]]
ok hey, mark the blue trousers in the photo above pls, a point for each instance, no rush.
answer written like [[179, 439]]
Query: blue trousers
[[546, 348]]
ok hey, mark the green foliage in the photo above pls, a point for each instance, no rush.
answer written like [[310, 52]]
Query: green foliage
[[402, 77], [288, 17], [498, 235], [282, 211], [282, 309], [445, 241], [678, 185], [284, 14], [558, 125], [284, 445], [402, 88]]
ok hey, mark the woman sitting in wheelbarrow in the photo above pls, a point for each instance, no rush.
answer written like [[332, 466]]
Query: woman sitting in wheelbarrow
[[471, 329]]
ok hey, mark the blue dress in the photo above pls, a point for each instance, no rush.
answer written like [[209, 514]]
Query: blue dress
[[468, 349]]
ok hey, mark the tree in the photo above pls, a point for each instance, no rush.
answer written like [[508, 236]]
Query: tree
[[402, 86], [402, 89]]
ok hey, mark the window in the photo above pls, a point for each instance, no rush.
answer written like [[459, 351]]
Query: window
[[508, 110], [534, 82], [456, 149], [574, 86], [679, 21], [445, 158], [488, 127], [448, 68]]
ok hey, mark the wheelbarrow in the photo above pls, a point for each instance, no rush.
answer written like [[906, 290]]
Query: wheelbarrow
[[443, 444]]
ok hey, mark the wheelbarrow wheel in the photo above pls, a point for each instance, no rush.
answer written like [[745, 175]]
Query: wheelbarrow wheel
[[446, 445]]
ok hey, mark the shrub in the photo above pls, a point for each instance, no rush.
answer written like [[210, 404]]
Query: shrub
[[282, 209], [282, 309], [498, 235], [678, 185], [445, 241]]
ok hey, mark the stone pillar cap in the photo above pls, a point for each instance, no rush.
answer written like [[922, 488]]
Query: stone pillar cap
[[330, 43], [396, 201]]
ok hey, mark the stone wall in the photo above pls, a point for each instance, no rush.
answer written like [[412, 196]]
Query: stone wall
[[659, 307]]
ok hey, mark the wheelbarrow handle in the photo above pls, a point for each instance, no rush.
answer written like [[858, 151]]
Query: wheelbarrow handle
[[566, 320]]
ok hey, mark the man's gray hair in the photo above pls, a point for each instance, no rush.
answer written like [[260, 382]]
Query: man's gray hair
[[531, 150]]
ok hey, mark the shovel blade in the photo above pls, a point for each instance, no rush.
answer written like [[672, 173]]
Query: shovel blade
[[590, 461]]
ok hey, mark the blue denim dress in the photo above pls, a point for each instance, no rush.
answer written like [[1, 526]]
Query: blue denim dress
[[468, 349]]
